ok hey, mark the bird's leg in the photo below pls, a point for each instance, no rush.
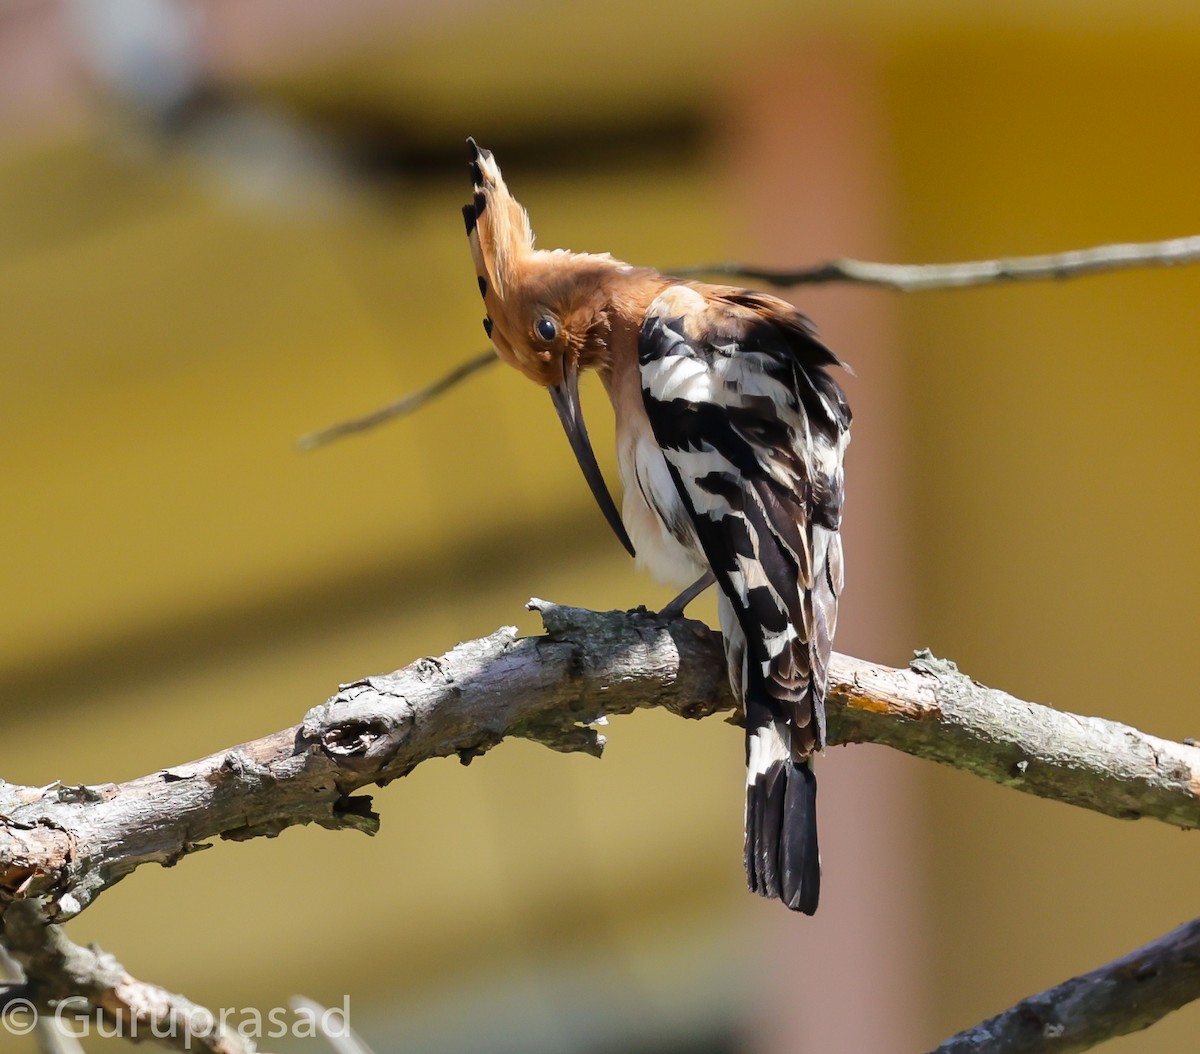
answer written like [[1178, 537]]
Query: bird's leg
[[675, 608]]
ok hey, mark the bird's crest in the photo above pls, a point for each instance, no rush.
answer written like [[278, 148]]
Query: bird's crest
[[545, 310], [498, 229]]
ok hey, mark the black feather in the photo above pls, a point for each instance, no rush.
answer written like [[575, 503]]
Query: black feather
[[801, 856]]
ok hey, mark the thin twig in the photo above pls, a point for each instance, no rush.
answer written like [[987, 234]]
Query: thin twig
[[902, 278], [1125, 996], [53, 1038], [401, 407], [68, 844], [63, 979], [920, 278], [344, 1039]]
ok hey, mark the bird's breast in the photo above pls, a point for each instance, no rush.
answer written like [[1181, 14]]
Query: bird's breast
[[654, 514]]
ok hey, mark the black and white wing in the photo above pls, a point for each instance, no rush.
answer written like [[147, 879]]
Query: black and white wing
[[753, 429]]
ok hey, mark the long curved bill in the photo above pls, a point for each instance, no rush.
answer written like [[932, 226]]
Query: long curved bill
[[566, 402]]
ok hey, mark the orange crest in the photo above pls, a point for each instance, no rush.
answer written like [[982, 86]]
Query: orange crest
[[500, 236], [547, 311]]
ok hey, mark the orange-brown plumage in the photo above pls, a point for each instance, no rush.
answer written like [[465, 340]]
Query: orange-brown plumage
[[730, 436], [592, 298]]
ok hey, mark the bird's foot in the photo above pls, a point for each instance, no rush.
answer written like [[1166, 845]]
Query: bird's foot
[[676, 607]]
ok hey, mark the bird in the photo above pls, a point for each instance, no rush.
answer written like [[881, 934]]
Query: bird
[[731, 433]]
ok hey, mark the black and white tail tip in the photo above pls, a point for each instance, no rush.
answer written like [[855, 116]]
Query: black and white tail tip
[[783, 861]]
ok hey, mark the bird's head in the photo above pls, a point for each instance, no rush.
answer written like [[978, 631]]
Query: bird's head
[[548, 313]]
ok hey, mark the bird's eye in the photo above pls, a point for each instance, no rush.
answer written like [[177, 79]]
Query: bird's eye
[[547, 329]]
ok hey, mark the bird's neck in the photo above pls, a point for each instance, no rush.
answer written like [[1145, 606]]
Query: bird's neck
[[630, 296]]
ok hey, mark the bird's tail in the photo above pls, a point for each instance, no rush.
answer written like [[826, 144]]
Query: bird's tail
[[782, 858]]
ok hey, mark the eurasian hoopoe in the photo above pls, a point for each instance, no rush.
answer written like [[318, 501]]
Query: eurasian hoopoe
[[730, 436]]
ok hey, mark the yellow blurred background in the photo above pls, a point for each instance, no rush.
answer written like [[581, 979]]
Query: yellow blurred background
[[226, 223]]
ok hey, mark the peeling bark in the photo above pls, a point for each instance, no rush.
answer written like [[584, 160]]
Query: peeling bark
[[69, 843]]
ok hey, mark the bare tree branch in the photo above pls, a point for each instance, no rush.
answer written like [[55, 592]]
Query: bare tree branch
[[58, 970], [902, 278], [401, 407], [1125, 996], [64, 845], [920, 278], [935, 712], [68, 844]]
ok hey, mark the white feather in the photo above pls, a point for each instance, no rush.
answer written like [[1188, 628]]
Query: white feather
[[678, 377], [650, 492], [767, 749]]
